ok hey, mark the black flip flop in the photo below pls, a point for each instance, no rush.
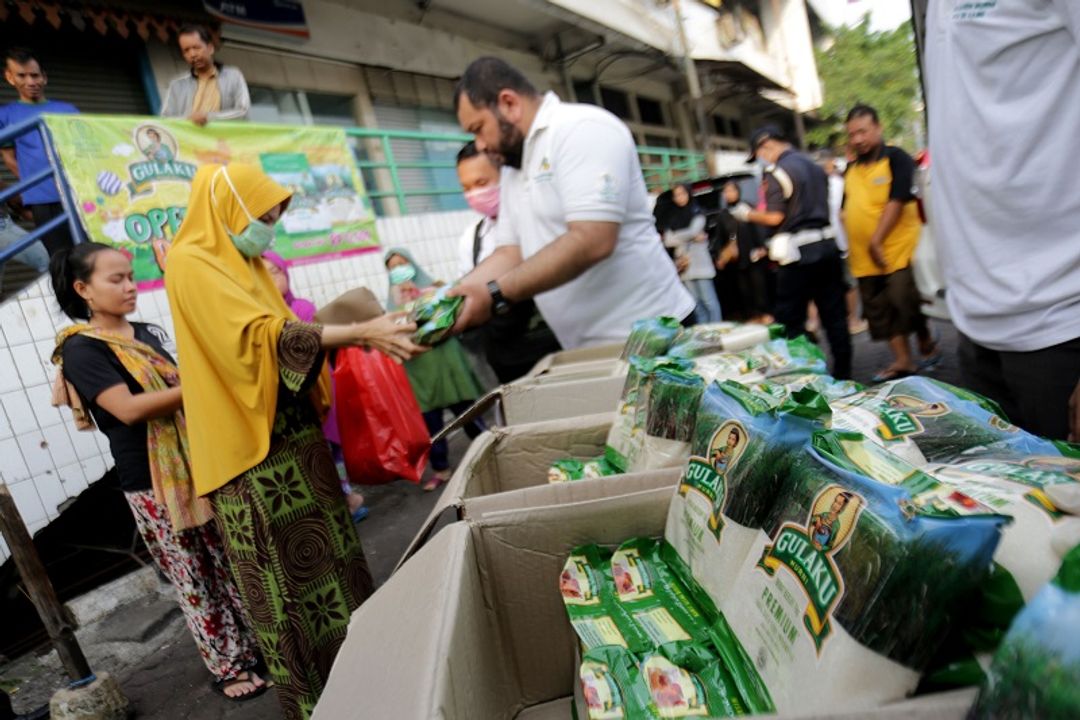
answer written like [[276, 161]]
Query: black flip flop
[[219, 687]]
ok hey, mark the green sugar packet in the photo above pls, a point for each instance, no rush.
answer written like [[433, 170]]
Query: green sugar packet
[[435, 315]]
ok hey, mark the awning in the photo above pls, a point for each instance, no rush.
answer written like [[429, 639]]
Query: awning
[[122, 19]]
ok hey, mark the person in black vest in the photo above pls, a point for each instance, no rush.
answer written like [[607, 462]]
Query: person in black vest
[[803, 242], [512, 343]]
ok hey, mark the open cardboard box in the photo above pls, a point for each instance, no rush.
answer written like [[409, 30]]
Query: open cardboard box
[[474, 627], [560, 361], [584, 389], [506, 468]]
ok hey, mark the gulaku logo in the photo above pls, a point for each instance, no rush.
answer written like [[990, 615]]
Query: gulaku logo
[[807, 553], [160, 149], [901, 413], [708, 475]]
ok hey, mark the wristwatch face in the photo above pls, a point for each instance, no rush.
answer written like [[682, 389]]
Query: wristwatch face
[[499, 305]]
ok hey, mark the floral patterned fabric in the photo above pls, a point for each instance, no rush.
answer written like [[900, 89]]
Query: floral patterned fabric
[[194, 562], [290, 540]]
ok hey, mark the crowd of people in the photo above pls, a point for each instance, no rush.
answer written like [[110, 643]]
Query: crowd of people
[[819, 248], [229, 474]]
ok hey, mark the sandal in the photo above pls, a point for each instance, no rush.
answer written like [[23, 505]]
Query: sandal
[[437, 478], [219, 687], [891, 374], [932, 357], [360, 513]]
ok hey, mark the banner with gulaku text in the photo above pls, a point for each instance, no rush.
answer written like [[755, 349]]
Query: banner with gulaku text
[[131, 177]]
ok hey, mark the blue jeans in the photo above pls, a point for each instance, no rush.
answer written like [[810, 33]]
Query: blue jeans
[[34, 256], [708, 305]]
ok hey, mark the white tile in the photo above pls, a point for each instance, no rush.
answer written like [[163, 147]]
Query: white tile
[[74, 479], [52, 492], [12, 466], [33, 527], [9, 374], [5, 426], [44, 350], [29, 364], [40, 397], [35, 451], [41, 288], [19, 413], [39, 318], [60, 447], [28, 502], [94, 468], [82, 441], [14, 324]]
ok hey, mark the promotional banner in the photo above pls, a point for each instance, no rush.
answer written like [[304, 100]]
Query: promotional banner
[[131, 177]]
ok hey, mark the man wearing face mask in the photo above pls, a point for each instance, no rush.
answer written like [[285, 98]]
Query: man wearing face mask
[[514, 342], [803, 242], [575, 227]]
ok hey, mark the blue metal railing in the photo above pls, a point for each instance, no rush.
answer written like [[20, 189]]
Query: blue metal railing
[[68, 216]]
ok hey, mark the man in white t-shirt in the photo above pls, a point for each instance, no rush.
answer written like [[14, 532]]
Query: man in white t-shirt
[[1004, 107], [575, 230], [512, 343]]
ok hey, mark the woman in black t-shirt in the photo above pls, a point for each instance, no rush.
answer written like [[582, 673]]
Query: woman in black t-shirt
[[125, 377]]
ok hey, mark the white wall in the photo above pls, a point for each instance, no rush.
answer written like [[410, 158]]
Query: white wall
[[45, 461]]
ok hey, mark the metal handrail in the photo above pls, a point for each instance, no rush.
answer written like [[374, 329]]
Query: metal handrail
[[674, 163], [661, 166], [52, 171]]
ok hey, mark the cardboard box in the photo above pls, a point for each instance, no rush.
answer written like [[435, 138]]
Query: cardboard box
[[474, 626], [558, 396], [506, 468], [557, 362], [581, 392]]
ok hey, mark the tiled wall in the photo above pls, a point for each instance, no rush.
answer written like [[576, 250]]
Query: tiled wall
[[45, 461]]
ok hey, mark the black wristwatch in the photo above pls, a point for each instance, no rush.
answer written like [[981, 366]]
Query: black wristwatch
[[499, 304]]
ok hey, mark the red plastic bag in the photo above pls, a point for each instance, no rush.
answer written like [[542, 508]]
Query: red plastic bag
[[383, 435]]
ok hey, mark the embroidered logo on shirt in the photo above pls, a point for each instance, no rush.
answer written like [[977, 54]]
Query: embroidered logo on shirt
[[543, 171]]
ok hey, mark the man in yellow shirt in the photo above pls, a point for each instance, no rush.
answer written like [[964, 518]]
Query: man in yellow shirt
[[883, 226]]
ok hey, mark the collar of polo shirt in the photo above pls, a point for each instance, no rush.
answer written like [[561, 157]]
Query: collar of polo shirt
[[543, 114]]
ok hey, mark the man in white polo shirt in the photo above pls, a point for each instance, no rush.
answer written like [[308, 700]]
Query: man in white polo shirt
[[575, 227], [1004, 107]]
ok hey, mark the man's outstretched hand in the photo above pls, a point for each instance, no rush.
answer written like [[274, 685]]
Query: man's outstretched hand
[[477, 308]]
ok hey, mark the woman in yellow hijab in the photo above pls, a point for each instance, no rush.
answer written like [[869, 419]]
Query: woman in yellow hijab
[[255, 391]]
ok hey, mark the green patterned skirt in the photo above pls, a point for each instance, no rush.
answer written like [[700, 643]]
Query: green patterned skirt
[[295, 556]]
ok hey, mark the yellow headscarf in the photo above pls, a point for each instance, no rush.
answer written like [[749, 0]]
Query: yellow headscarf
[[228, 316]]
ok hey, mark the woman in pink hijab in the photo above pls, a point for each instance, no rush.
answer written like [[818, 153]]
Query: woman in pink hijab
[[305, 312], [279, 271]]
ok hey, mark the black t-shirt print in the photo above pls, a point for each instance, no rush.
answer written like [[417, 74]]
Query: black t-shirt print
[[92, 367]]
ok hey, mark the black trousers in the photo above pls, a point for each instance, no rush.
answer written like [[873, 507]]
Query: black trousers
[[1033, 388], [57, 239], [822, 282]]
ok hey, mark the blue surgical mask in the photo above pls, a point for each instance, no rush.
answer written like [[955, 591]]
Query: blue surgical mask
[[402, 273], [257, 237]]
